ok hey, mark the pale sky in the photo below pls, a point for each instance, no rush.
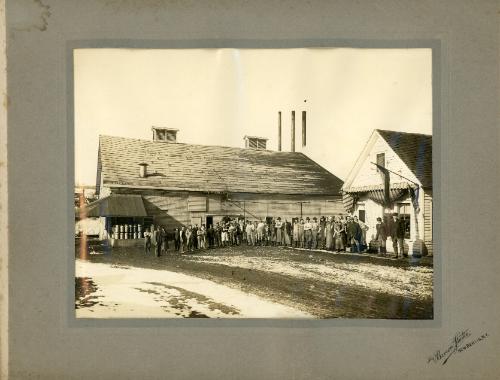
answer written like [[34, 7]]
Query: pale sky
[[216, 96]]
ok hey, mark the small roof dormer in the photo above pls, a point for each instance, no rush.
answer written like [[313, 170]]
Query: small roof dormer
[[254, 142], [165, 134]]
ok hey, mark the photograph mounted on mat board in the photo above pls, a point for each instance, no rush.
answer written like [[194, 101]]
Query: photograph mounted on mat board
[[253, 183]]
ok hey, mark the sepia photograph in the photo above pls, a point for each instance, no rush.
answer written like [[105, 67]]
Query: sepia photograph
[[249, 190], [253, 183]]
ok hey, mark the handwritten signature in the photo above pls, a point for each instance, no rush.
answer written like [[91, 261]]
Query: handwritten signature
[[457, 345]]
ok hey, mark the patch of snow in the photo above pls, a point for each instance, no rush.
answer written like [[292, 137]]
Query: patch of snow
[[147, 293]]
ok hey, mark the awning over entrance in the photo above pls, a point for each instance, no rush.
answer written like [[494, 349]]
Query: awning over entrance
[[376, 193], [125, 205]]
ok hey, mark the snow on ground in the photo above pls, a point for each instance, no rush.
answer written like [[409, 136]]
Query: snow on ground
[[129, 292], [412, 282]]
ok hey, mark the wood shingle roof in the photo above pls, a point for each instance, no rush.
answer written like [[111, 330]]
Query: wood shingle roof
[[415, 150], [189, 167]]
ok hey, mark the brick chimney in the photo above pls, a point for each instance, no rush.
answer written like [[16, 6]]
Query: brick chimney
[[143, 170]]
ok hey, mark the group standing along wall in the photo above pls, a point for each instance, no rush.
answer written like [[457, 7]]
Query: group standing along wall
[[173, 209]]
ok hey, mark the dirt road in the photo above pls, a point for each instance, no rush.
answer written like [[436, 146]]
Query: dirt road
[[319, 284]]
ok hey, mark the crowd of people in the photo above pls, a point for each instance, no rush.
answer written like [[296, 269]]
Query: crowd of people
[[335, 233]]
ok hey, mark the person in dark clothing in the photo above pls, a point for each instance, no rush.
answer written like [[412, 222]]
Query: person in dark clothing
[[164, 240], [195, 237], [355, 233], [209, 236], [363, 228], [238, 233], [288, 233], [322, 233], [182, 240], [347, 232], [159, 242], [381, 236], [177, 239], [343, 233], [398, 230], [217, 235]]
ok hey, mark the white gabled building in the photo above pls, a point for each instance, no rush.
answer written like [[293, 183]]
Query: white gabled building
[[368, 193]]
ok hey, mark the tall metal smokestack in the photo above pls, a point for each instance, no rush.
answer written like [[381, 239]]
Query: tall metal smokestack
[[303, 128], [279, 131], [292, 148]]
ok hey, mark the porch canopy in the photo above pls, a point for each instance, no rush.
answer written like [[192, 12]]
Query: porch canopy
[[125, 205], [376, 193]]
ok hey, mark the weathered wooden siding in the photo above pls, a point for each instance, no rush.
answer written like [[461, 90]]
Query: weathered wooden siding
[[197, 203], [428, 221], [171, 209], [168, 210], [368, 174], [286, 207]]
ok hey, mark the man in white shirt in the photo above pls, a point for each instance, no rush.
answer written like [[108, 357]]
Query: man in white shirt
[[249, 229], [231, 233], [225, 234], [308, 233], [260, 231], [314, 233]]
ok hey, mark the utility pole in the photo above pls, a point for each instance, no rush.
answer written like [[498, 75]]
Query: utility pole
[[302, 202]]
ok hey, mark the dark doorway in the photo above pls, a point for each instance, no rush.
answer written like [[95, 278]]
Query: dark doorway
[[362, 215], [210, 221]]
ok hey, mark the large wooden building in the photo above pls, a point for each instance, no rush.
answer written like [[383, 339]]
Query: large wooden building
[[393, 174], [164, 182]]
